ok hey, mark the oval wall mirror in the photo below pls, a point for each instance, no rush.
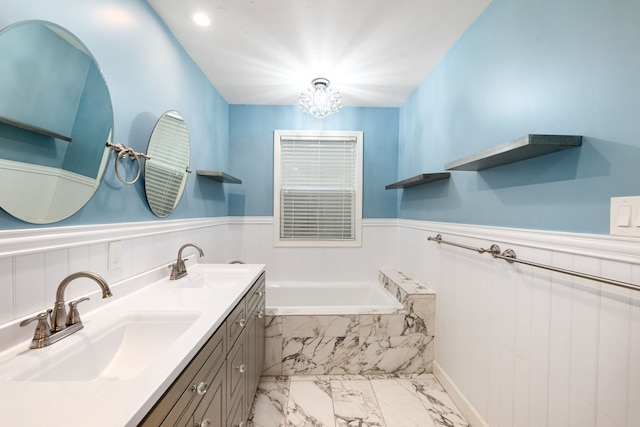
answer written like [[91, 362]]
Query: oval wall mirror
[[55, 118], [166, 172]]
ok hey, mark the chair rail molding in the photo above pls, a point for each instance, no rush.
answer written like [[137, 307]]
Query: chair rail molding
[[606, 247], [32, 240]]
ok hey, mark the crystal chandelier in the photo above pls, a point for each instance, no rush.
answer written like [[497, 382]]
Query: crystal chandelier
[[319, 100]]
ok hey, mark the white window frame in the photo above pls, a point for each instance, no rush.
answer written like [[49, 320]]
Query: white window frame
[[278, 135]]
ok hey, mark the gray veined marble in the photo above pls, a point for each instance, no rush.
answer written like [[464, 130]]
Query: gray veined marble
[[406, 354], [402, 285], [391, 343], [353, 400], [355, 404], [320, 326], [273, 326], [270, 404], [310, 404], [438, 403], [320, 355], [400, 404], [382, 324], [420, 316]]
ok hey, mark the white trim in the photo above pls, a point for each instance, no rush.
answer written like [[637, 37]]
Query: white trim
[[465, 407], [25, 241], [613, 248], [13, 166], [250, 220], [268, 220], [379, 222], [285, 135]]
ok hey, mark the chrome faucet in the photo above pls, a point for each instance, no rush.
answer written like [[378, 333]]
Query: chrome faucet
[[62, 325], [179, 269]]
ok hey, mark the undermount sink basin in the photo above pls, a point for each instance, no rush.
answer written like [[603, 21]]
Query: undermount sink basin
[[117, 353], [213, 276]]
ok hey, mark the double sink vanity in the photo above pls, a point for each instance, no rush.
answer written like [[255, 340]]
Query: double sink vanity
[[173, 352], [185, 350]]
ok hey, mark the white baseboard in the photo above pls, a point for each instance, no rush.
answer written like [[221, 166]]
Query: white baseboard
[[467, 409]]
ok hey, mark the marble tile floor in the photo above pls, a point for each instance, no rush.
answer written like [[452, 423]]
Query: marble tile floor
[[353, 400]]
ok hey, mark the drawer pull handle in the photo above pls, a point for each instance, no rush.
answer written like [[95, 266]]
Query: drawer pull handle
[[242, 424], [242, 368], [242, 322], [201, 388], [261, 293], [260, 314], [205, 423]]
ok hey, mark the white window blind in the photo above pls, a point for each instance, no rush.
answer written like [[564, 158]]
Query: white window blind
[[319, 188]]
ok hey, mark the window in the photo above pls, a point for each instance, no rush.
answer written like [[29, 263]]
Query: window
[[317, 188]]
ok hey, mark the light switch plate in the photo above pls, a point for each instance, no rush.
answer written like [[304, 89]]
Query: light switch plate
[[625, 216]]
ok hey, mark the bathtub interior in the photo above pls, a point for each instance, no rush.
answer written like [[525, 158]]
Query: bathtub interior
[[330, 297]]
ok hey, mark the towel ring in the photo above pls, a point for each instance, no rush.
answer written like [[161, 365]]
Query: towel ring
[[121, 152]]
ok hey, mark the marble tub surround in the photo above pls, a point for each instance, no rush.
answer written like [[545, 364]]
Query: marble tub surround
[[353, 400], [348, 344], [418, 300], [403, 286], [389, 343]]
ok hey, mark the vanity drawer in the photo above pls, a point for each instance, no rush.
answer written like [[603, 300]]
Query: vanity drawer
[[236, 372], [236, 322], [211, 411], [182, 396], [255, 294], [236, 413]]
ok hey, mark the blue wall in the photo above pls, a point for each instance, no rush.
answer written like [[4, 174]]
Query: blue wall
[[567, 67], [546, 66], [251, 153], [25, 77], [148, 73]]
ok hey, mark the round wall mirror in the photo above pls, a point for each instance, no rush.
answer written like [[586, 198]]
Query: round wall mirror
[[165, 173], [55, 118]]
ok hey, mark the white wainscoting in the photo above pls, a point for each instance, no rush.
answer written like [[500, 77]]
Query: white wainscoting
[[526, 346], [522, 346], [34, 261], [251, 239]]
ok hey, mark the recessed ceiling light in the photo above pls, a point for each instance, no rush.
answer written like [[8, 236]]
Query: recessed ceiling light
[[201, 19]]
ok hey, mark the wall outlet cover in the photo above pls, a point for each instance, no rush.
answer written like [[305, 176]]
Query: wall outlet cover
[[115, 254]]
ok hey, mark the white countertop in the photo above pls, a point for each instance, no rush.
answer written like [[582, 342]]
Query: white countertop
[[117, 402]]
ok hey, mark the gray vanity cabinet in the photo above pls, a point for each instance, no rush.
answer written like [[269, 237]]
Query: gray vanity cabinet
[[189, 389], [237, 375], [246, 357], [211, 408], [217, 387], [255, 338]]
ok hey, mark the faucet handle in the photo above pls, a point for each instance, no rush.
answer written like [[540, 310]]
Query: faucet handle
[[74, 315], [43, 330]]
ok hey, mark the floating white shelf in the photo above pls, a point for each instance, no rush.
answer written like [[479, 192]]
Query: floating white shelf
[[522, 148], [423, 178], [219, 176]]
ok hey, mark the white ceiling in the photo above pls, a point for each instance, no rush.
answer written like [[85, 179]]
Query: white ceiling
[[265, 52]]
